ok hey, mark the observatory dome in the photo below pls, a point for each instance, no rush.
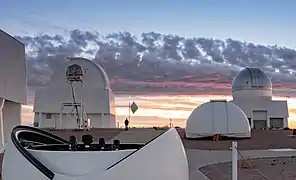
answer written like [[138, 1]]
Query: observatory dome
[[217, 117], [95, 75], [251, 82], [53, 104]]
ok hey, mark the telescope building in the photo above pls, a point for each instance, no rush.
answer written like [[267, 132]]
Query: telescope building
[[54, 106]]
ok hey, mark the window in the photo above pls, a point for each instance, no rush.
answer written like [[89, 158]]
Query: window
[[48, 116]]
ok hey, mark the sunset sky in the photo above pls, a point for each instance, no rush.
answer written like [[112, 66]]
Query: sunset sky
[[167, 56], [156, 110]]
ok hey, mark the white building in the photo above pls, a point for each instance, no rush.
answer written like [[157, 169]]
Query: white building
[[95, 94], [252, 92], [13, 84], [217, 117]]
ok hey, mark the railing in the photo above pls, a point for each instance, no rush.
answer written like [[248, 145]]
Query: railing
[[235, 153]]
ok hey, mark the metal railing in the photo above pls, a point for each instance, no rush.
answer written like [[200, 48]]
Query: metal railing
[[235, 153]]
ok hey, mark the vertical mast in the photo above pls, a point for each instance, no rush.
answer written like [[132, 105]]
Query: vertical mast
[[75, 75]]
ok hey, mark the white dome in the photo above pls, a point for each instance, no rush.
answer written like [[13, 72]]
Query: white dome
[[251, 78], [94, 93], [217, 117], [95, 75], [250, 83]]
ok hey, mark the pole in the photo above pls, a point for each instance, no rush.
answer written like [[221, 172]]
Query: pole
[[234, 160], [75, 104], [129, 111], [2, 135]]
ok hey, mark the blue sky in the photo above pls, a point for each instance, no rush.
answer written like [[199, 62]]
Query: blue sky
[[266, 22]]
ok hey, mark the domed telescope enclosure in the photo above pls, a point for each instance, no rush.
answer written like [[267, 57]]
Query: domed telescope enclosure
[[252, 92], [217, 117], [251, 83], [81, 87]]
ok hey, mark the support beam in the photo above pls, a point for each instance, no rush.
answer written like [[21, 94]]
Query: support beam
[[40, 119], [268, 122], [252, 123], [2, 100], [285, 123], [234, 160]]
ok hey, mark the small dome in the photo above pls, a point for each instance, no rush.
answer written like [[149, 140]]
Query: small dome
[[217, 117], [251, 78]]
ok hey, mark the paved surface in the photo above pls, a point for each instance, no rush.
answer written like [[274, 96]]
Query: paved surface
[[200, 158], [265, 168], [137, 135]]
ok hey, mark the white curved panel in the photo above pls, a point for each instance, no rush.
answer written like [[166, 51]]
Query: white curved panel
[[238, 126], [16, 167], [217, 118], [79, 162], [162, 159], [95, 75]]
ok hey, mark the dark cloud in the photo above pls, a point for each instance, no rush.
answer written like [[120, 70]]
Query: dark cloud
[[157, 62]]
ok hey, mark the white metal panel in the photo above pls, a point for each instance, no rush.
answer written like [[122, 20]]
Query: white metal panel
[[51, 99], [11, 116], [274, 108], [92, 161], [199, 122], [168, 147], [70, 122], [252, 94], [259, 115], [278, 109], [238, 123], [220, 117], [13, 79]]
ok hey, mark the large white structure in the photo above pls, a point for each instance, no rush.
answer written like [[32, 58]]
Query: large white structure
[[13, 84], [53, 107], [252, 92], [162, 158], [217, 117]]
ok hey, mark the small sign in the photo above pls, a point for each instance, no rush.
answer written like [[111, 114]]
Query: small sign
[[134, 107]]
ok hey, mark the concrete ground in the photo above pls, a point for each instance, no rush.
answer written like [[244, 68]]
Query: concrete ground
[[264, 168], [198, 159]]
